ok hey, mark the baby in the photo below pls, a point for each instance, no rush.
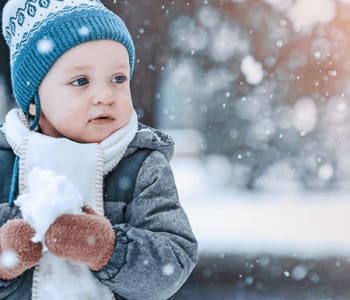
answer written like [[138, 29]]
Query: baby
[[71, 66]]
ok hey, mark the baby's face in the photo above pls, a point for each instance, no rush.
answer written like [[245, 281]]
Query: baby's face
[[86, 95]]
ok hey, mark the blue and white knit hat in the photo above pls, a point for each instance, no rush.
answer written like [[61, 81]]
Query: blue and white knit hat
[[38, 32]]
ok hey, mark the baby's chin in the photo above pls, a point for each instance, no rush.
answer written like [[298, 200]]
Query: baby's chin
[[89, 140], [92, 138]]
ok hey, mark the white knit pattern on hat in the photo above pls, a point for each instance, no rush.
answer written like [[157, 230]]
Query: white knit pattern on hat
[[22, 18]]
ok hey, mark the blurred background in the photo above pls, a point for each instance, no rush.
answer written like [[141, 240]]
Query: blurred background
[[256, 95]]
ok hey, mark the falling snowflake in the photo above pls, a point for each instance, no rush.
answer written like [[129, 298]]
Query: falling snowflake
[[8, 259], [252, 70], [45, 45], [168, 269], [84, 31]]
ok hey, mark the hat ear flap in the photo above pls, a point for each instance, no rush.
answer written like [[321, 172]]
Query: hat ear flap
[[32, 109]]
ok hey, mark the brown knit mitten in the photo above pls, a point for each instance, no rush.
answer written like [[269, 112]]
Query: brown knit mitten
[[17, 252], [86, 238]]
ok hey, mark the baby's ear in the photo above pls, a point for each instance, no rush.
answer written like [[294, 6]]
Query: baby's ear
[[32, 109]]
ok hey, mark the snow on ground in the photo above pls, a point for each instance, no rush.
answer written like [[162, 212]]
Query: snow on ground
[[303, 224], [246, 223]]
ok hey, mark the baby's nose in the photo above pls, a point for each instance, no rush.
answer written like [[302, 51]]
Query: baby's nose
[[104, 95]]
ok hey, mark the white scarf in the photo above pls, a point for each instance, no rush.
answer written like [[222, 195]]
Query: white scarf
[[84, 165]]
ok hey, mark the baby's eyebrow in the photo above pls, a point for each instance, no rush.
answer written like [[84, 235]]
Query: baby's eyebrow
[[122, 66], [85, 68], [77, 68]]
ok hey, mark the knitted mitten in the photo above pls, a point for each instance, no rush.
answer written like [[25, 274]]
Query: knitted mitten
[[17, 252], [86, 238]]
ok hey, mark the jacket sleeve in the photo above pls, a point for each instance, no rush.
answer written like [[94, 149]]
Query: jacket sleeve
[[155, 249], [7, 287]]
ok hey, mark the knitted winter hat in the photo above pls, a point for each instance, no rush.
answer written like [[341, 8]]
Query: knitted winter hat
[[38, 32]]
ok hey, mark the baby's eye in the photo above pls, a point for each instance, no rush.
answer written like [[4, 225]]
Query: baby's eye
[[80, 82], [119, 79]]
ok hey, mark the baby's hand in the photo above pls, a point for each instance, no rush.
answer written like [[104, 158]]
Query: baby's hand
[[17, 251], [86, 238]]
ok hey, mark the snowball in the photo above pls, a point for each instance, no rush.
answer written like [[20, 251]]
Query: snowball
[[49, 197], [45, 46], [252, 70], [8, 259]]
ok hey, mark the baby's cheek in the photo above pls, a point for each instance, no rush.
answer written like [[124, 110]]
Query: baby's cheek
[[125, 107], [71, 113]]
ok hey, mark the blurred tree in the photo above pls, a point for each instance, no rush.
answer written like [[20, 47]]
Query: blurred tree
[[258, 79]]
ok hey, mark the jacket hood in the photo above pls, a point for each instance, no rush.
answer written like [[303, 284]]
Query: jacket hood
[[150, 138], [146, 137]]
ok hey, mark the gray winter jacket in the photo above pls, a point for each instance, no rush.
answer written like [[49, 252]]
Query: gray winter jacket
[[155, 248]]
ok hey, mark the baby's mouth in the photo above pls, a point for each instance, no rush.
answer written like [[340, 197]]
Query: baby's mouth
[[101, 120]]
